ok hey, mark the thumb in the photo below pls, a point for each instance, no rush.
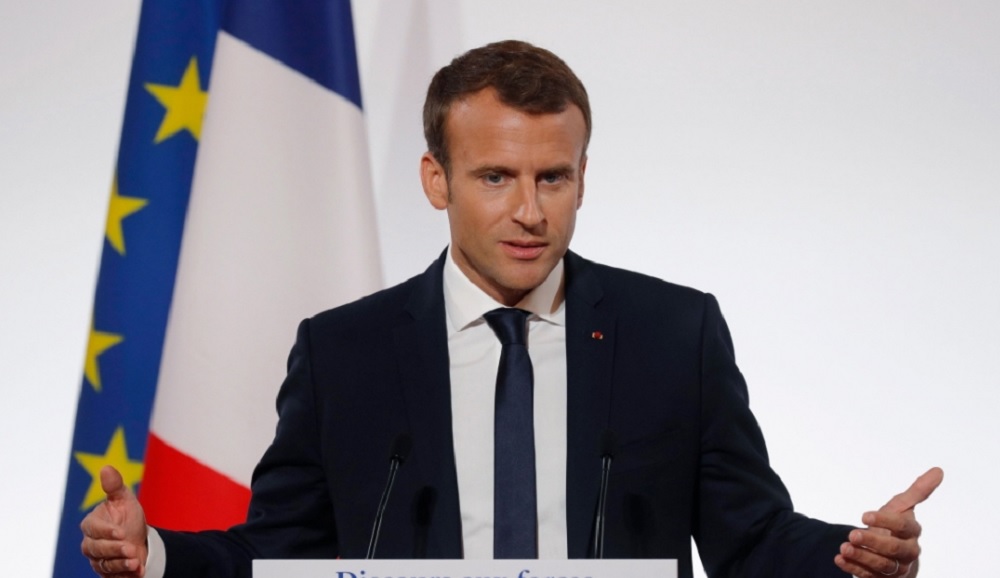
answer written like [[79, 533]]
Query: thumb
[[920, 490], [113, 485]]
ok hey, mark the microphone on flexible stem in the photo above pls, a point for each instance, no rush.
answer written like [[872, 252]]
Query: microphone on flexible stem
[[606, 449], [423, 511], [398, 452]]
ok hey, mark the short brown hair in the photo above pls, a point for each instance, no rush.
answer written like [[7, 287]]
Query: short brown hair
[[525, 77]]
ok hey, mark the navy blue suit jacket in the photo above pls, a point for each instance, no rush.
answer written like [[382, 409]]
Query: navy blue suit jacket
[[691, 459]]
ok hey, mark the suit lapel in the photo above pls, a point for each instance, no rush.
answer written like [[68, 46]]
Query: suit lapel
[[590, 343], [421, 344]]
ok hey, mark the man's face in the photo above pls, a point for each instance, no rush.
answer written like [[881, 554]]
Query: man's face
[[516, 183]]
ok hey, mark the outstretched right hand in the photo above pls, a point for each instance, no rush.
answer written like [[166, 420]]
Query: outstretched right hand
[[114, 533]]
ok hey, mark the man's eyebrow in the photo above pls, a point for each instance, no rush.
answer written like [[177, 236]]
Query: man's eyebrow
[[564, 170], [486, 169]]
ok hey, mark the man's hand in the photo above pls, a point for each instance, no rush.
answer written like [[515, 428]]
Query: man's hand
[[114, 533], [889, 546]]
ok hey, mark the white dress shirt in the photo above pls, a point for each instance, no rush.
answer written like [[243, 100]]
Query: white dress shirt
[[474, 354]]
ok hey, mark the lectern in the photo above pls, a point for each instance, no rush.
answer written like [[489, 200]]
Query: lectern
[[465, 568]]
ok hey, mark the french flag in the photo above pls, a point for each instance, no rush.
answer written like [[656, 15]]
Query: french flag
[[280, 225]]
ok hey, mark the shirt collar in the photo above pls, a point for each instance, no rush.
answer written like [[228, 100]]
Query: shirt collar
[[465, 303]]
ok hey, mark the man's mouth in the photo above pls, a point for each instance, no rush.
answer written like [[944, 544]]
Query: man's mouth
[[525, 250]]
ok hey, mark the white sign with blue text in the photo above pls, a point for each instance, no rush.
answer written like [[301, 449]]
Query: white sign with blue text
[[465, 568]]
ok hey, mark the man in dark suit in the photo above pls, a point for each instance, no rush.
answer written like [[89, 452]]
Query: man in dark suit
[[507, 128]]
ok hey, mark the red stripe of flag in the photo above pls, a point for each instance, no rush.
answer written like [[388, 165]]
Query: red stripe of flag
[[180, 493]]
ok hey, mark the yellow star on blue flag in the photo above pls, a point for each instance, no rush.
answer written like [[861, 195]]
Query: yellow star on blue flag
[[98, 343], [119, 208], [115, 455], [185, 104]]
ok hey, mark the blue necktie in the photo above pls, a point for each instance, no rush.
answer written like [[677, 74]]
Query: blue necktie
[[515, 516]]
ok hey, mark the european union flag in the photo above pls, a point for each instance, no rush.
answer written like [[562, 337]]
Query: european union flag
[[167, 92]]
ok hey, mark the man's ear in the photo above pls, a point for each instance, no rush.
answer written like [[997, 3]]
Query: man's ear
[[579, 192], [434, 181]]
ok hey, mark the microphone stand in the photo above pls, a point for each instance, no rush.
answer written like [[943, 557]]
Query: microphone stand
[[397, 455], [602, 500], [607, 450]]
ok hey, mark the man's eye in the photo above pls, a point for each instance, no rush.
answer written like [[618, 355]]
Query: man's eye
[[493, 178], [552, 178]]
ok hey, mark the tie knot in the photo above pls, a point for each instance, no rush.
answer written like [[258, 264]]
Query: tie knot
[[509, 324]]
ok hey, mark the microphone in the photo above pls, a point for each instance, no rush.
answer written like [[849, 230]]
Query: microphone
[[399, 450], [423, 511], [606, 449]]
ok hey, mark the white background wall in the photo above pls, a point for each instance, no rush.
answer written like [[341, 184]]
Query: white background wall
[[829, 169]]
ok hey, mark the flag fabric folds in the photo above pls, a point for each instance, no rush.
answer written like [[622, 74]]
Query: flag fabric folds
[[241, 204]]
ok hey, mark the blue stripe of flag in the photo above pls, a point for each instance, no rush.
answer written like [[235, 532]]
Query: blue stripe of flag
[[315, 38]]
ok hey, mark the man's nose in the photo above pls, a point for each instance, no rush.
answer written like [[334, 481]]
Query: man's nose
[[528, 210]]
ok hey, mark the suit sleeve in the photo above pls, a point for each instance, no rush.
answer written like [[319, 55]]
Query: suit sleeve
[[290, 513], [746, 526]]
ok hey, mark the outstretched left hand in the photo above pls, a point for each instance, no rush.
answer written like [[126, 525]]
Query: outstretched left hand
[[889, 545]]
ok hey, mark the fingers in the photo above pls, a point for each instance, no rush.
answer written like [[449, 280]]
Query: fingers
[[867, 544], [920, 490], [900, 525], [874, 553], [99, 525], [115, 568], [880, 569], [112, 557], [98, 549], [103, 544]]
